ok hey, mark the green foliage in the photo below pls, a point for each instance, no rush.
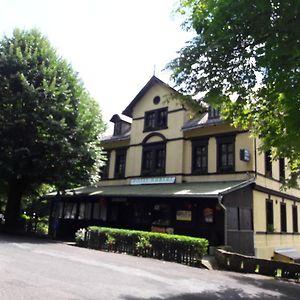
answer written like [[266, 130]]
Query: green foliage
[[178, 248], [143, 243], [80, 237], [25, 217], [50, 126], [42, 226], [244, 58]]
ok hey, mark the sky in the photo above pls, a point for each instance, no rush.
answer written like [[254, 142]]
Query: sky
[[113, 45]]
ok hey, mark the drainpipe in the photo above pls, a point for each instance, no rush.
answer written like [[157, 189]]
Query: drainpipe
[[220, 198], [255, 159]]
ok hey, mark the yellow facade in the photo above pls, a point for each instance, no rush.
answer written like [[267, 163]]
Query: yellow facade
[[179, 163]]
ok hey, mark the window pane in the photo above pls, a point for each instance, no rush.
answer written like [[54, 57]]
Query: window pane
[[70, 210], [156, 119], [160, 162], [60, 213], [87, 212], [74, 211], [281, 169], [120, 163], [269, 213], [245, 218], [230, 159], [199, 158], [268, 164], [295, 219], [198, 162], [81, 211], [96, 211], [105, 169], [224, 160], [154, 157], [161, 214], [162, 118], [147, 160], [283, 216], [226, 157], [103, 210], [204, 162], [232, 218], [150, 120]]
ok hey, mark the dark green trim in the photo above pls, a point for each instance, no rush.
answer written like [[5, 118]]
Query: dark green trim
[[183, 138], [276, 233], [152, 134], [275, 193], [156, 133], [169, 112], [153, 81], [184, 174]]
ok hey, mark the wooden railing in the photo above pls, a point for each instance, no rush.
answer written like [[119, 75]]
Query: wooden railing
[[249, 264]]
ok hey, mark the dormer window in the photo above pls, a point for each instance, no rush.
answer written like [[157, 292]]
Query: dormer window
[[118, 128], [213, 113], [122, 124], [156, 119]]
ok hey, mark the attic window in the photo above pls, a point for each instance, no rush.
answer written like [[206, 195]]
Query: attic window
[[118, 128], [156, 119], [213, 113], [156, 100]]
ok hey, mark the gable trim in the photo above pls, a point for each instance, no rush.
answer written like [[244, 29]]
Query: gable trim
[[153, 80]]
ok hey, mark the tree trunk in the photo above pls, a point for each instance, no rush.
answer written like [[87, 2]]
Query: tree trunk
[[13, 205]]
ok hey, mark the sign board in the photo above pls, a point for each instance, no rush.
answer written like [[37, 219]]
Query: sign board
[[184, 215], [153, 180], [244, 155], [208, 215]]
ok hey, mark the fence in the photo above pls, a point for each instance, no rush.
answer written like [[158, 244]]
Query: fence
[[181, 249], [249, 264]]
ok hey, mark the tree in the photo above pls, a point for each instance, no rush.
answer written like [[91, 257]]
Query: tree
[[245, 59], [49, 125]]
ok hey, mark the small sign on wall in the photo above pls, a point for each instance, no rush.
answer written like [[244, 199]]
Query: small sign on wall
[[244, 155], [153, 180], [208, 214], [184, 215]]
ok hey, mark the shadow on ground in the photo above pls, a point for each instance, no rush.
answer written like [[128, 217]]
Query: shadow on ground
[[227, 294], [274, 289], [15, 238]]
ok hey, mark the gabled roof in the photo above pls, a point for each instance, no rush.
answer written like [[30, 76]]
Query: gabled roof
[[153, 81]]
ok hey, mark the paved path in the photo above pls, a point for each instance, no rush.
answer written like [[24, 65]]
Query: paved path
[[34, 269]]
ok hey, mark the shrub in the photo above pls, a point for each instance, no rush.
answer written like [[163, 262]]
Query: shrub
[[80, 237], [183, 249]]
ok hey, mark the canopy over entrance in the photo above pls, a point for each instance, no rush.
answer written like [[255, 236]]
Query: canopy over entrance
[[180, 190]]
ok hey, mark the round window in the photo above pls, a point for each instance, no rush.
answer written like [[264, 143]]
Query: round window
[[156, 99]]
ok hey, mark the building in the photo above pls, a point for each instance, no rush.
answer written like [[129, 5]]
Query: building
[[170, 172]]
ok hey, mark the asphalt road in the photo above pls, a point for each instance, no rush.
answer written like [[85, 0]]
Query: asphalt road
[[38, 269]]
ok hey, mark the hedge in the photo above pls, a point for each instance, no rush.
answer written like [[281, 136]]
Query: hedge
[[182, 249]]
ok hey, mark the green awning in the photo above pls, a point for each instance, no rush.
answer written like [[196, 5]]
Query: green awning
[[179, 190]]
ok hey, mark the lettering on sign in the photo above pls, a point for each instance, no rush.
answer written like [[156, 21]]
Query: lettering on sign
[[184, 215], [153, 180]]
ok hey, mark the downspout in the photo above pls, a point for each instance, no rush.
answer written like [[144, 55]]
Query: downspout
[[255, 159], [255, 177], [220, 198]]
